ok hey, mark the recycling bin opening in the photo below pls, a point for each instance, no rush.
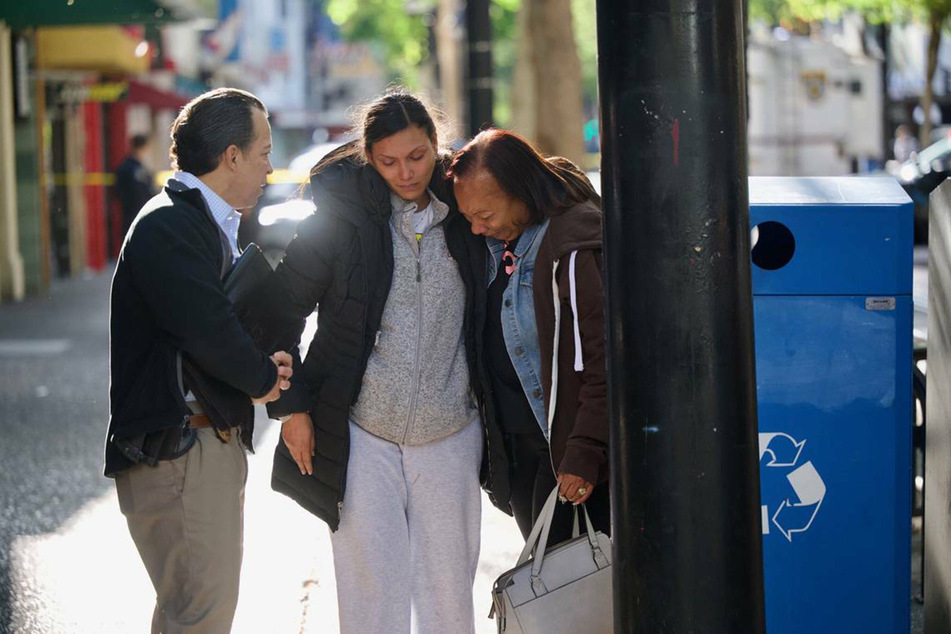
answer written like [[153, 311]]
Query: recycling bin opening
[[773, 245]]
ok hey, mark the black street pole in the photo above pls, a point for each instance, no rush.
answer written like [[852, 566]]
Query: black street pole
[[479, 29], [684, 455]]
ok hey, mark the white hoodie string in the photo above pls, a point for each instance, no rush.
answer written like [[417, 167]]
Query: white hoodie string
[[553, 395], [579, 362]]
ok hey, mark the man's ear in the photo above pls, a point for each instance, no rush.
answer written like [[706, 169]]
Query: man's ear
[[369, 156], [231, 156]]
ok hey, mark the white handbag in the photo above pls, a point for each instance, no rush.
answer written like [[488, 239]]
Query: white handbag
[[565, 589]]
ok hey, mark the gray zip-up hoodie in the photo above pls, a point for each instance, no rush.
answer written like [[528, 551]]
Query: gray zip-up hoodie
[[416, 386]]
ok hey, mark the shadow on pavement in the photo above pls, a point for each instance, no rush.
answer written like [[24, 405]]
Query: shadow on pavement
[[54, 365]]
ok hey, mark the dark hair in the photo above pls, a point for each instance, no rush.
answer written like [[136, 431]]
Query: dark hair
[[139, 141], [547, 186], [393, 112], [208, 125]]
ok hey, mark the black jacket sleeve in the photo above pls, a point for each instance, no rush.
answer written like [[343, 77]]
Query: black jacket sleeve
[[179, 278], [302, 278]]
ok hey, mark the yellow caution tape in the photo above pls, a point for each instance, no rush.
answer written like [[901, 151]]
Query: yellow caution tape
[[277, 177], [96, 179]]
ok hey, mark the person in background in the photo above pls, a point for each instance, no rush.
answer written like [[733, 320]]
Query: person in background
[[905, 144], [134, 181], [544, 324], [385, 439], [179, 476]]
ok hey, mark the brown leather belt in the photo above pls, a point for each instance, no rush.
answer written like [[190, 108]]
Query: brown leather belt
[[199, 421]]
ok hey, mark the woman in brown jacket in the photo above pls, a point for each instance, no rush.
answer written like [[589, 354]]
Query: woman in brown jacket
[[544, 325]]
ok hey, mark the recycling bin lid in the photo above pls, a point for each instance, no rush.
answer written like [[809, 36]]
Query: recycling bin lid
[[830, 236]]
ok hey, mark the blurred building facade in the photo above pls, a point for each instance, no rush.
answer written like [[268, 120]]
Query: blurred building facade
[[830, 102], [815, 105], [77, 81]]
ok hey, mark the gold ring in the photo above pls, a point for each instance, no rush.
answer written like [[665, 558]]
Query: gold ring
[[582, 491]]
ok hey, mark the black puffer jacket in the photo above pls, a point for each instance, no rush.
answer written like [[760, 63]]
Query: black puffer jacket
[[341, 263]]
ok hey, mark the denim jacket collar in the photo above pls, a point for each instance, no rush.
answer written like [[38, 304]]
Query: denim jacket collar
[[525, 251]]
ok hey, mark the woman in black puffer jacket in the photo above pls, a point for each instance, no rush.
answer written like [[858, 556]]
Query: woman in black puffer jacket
[[382, 439]]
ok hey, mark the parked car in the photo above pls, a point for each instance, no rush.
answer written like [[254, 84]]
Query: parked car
[[285, 202]]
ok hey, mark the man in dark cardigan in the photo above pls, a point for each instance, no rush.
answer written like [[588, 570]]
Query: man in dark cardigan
[[179, 466]]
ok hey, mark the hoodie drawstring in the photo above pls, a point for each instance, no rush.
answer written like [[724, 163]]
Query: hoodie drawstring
[[579, 362], [553, 394]]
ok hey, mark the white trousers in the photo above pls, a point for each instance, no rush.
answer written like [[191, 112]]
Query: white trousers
[[407, 548]]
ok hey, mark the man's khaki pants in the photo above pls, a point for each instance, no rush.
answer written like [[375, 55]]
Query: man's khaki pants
[[186, 519]]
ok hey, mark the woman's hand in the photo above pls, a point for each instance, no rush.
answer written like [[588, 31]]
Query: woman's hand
[[574, 488], [298, 434]]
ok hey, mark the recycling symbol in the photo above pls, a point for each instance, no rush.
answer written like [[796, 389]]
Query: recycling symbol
[[795, 513]]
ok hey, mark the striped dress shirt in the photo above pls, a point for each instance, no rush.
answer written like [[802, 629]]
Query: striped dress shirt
[[223, 213]]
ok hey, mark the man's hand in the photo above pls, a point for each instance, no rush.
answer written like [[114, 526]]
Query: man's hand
[[574, 488], [298, 434], [283, 361]]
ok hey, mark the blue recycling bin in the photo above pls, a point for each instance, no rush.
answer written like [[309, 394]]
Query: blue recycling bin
[[832, 282]]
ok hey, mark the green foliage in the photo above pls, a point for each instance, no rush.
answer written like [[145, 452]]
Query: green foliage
[[402, 41], [586, 36], [401, 38], [775, 11], [771, 11], [504, 15]]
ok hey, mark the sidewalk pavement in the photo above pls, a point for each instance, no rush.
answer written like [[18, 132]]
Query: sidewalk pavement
[[65, 552], [287, 579], [67, 563]]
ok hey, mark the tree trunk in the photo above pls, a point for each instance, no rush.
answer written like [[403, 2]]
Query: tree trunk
[[935, 22], [546, 97], [524, 95], [450, 65]]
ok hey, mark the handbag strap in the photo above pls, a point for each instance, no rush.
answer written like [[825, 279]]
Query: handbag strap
[[575, 532], [597, 554], [600, 560], [537, 542], [544, 519]]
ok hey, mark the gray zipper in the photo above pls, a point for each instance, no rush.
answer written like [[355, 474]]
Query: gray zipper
[[419, 339], [417, 247]]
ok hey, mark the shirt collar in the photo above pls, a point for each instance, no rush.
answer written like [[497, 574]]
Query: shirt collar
[[220, 210], [525, 241], [401, 206]]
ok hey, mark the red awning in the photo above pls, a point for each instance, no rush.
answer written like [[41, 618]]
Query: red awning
[[159, 99]]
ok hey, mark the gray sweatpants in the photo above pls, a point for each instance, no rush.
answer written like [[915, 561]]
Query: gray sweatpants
[[407, 547]]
